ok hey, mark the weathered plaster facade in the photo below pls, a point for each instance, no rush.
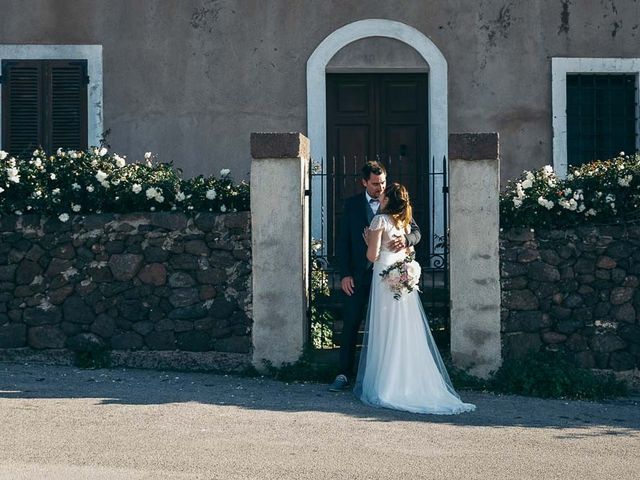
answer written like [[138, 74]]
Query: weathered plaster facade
[[191, 79]]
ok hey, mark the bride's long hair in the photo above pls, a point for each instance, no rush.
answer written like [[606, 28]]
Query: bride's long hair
[[398, 205]]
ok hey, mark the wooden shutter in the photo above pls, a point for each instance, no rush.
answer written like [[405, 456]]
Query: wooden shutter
[[67, 112], [44, 104], [22, 107]]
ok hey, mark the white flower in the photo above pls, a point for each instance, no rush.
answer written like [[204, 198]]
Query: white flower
[[75, 186], [211, 194], [527, 184], [120, 162], [59, 152], [115, 182], [625, 181], [63, 217], [152, 192], [101, 176], [102, 152], [73, 154], [519, 191], [52, 176], [37, 194], [517, 202], [610, 198], [35, 153], [570, 177], [75, 208], [153, 209], [548, 204], [18, 212], [105, 184], [223, 208], [1, 189], [136, 188], [224, 172], [547, 170], [3, 154], [159, 198], [12, 172], [55, 191], [147, 155], [180, 196], [581, 208], [621, 154], [90, 188]]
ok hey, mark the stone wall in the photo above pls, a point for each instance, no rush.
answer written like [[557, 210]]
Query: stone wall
[[575, 290], [146, 282]]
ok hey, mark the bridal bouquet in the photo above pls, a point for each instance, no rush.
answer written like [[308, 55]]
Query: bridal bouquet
[[402, 276]]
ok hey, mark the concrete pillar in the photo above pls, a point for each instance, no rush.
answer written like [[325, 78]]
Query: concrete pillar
[[279, 238], [474, 252]]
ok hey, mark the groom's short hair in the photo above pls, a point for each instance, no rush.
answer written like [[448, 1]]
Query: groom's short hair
[[372, 167]]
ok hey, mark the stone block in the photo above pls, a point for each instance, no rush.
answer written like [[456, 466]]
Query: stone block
[[194, 341], [127, 341], [13, 335], [125, 266], [153, 274], [75, 310], [86, 342], [46, 336]]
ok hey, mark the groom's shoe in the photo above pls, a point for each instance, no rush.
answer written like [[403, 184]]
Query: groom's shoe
[[340, 384]]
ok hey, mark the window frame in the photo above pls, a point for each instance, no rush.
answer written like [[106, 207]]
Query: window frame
[[560, 68], [91, 53]]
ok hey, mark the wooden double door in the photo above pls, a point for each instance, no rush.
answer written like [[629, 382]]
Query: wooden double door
[[377, 116]]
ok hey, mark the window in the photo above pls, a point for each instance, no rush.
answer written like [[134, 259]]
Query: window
[[595, 109], [601, 116], [44, 104]]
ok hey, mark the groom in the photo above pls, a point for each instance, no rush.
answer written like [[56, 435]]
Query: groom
[[355, 270]]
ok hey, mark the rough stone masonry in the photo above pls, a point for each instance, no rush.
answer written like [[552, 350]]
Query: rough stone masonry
[[135, 282]]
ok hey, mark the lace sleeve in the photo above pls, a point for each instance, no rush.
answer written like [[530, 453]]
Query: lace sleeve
[[379, 222]]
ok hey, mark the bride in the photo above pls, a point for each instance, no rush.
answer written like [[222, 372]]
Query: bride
[[400, 366]]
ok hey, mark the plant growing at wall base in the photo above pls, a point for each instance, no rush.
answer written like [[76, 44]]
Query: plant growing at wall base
[[321, 318], [553, 375]]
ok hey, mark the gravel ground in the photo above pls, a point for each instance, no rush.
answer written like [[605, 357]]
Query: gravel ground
[[63, 422]]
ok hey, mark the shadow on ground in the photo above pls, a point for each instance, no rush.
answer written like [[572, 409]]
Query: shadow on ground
[[146, 387]]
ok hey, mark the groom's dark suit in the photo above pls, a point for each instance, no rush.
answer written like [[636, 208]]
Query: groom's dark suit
[[353, 262]]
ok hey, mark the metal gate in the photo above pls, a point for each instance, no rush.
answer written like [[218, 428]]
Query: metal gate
[[429, 196]]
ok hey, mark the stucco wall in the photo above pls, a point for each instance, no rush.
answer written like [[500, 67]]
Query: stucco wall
[[190, 79]]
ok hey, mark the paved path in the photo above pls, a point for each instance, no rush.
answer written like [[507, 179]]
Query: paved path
[[62, 422]]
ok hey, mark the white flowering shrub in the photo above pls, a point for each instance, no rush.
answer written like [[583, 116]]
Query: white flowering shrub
[[601, 191], [74, 182]]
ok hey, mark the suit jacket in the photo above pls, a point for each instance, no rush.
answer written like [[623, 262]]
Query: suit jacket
[[351, 247]]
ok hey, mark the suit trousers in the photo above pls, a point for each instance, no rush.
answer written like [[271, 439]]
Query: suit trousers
[[354, 310]]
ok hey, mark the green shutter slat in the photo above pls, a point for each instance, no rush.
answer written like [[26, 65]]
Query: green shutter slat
[[68, 115], [22, 106]]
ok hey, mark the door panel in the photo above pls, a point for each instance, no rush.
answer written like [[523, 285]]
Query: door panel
[[376, 116]]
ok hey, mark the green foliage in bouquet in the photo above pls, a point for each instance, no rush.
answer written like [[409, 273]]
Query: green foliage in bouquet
[[77, 182], [598, 192]]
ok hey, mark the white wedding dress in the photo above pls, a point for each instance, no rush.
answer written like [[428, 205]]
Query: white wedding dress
[[400, 366]]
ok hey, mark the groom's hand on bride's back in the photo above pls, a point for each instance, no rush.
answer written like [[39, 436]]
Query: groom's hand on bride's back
[[397, 243], [347, 285]]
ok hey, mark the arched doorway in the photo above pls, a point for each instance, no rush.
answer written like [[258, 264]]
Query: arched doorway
[[421, 82]]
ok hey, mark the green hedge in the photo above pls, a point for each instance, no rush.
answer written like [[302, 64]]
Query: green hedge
[[601, 192], [95, 181]]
